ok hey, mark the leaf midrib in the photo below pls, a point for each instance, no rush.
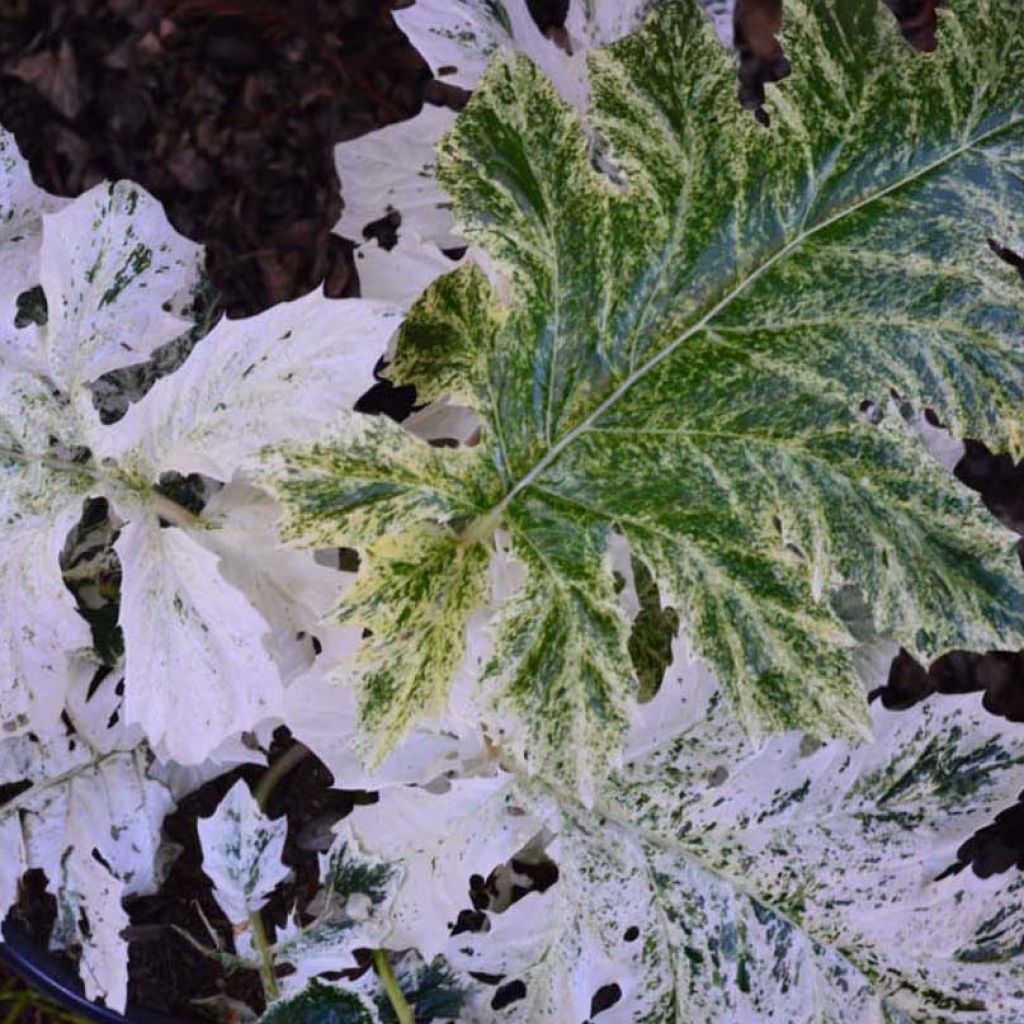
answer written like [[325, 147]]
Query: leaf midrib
[[780, 255]]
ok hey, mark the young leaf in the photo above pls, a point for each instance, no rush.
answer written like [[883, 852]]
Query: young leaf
[[711, 882], [684, 361], [242, 850], [350, 913], [321, 1004]]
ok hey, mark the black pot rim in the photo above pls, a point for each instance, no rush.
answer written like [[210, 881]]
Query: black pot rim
[[43, 971]]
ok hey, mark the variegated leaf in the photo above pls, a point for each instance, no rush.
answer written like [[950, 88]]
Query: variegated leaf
[[391, 172], [716, 882], [349, 913], [91, 821], [242, 850], [105, 261], [114, 277], [321, 1004], [702, 362]]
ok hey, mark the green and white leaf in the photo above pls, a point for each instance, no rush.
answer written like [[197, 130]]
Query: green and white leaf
[[321, 1004], [684, 362], [242, 850], [393, 170], [91, 821], [716, 882], [350, 912], [110, 262]]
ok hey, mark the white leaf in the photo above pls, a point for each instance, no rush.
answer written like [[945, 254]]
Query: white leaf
[[110, 261], [714, 882], [22, 205], [196, 668], [242, 850], [291, 590], [90, 915], [393, 169], [91, 821], [465, 35], [323, 714], [285, 373], [444, 838], [40, 627], [402, 274]]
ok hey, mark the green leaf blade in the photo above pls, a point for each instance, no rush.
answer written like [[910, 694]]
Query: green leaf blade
[[699, 350]]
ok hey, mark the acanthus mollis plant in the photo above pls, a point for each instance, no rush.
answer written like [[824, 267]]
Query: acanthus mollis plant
[[205, 606], [687, 357], [714, 347], [713, 361]]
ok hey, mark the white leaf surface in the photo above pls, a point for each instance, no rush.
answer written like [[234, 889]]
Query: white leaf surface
[[91, 821], [90, 915], [110, 262], [393, 168], [242, 850], [444, 838], [322, 713], [711, 881], [287, 372], [22, 206], [40, 627], [196, 666], [401, 275], [291, 590]]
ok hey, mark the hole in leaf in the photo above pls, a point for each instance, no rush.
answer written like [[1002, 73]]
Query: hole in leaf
[[92, 572], [384, 230], [631, 934], [387, 399], [508, 994], [100, 859], [31, 308], [994, 848], [190, 492], [650, 640], [486, 979], [605, 998]]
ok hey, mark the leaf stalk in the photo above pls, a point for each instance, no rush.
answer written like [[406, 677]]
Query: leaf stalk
[[382, 965]]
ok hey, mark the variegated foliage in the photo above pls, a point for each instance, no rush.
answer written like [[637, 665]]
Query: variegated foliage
[[391, 172], [90, 820], [209, 605], [712, 881], [713, 358], [197, 603]]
